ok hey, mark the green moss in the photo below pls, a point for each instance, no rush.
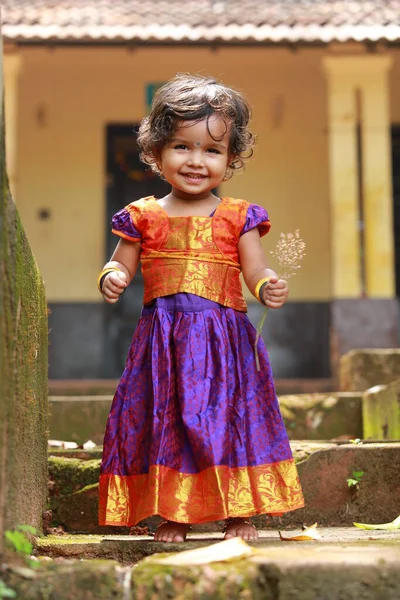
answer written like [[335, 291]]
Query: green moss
[[67, 539], [23, 371], [72, 474], [91, 453]]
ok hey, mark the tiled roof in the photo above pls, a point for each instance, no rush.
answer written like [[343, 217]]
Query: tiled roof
[[274, 21]]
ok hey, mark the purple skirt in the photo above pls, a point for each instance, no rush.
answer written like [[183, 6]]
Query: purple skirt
[[195, 432]]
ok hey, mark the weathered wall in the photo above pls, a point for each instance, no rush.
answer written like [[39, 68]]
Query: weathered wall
[[23, 369]]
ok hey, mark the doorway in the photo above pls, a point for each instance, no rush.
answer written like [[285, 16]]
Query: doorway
[[128, 179]]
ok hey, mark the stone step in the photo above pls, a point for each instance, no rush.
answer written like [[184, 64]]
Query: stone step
[[75, 387], [129, 549], [346, 564], [313, 416], [324, 469]]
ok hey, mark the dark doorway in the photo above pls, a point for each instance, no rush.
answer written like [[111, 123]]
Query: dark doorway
[[128, 179], [396, 200]]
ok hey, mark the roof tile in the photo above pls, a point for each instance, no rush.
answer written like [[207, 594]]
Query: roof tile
[[200, 20]]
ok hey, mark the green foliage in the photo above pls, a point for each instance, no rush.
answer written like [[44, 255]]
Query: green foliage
[[6, 592], [20, 542], [355, 479]]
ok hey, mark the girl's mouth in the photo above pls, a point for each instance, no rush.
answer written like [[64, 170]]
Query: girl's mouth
[[194, 176]]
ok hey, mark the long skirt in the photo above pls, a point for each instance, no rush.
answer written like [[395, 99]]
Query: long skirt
[[195, 433]]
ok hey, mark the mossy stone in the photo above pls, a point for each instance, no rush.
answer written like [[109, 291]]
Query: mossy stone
[[381, 412], [73, 474], [71, 580], [362, 369], [23, 369]]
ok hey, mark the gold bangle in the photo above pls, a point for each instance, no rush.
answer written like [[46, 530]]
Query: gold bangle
[[258, 286], [105, 272]]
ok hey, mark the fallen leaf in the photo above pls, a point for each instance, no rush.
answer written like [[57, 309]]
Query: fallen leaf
[[89, 445], [62, 444], [390, 526], [25, 572], [309, 534], [220, 552]]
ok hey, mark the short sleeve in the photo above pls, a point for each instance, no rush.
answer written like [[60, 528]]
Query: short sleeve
[[123, 226], [256, 216]]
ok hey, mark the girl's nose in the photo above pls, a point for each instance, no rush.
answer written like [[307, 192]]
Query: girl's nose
[[196, 158]]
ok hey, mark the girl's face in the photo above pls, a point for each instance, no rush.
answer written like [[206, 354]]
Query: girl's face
[[193, 162]]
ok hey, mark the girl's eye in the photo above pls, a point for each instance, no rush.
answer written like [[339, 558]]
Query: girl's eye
[[213, 150], [180, 147]]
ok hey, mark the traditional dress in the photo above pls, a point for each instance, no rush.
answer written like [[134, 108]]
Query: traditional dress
[[194, 433]]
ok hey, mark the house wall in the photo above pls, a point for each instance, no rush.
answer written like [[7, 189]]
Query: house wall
[[67, 97]]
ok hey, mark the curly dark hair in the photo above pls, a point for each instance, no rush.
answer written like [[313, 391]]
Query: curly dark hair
[[194, 98]]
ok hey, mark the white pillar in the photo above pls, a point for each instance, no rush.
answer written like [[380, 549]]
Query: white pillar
[[343, 183], [366, 76], [377, 180]]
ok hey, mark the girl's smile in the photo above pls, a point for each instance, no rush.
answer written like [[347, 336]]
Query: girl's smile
[[195, 160]]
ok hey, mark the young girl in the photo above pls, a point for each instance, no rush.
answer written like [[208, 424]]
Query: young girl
[[195, 433]]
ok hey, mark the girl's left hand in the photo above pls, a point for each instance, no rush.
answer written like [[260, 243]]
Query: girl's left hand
[[275, 293]]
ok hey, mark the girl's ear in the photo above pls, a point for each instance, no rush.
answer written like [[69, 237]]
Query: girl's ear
[[157, 158]]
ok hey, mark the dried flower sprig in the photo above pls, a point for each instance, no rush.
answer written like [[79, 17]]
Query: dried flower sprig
[[289, 252]]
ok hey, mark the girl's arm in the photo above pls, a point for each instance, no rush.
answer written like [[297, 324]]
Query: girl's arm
[[126, 258], [255, 267]]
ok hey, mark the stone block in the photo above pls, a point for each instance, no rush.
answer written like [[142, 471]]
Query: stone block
[[328, 498], [363, 369], [79, 419], [334, 415], [305, 572], [70, 580], [381, 412], [79, 511], [363, 323], [72, 474]]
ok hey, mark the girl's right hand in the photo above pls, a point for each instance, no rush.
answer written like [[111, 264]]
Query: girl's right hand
[[114, 284]]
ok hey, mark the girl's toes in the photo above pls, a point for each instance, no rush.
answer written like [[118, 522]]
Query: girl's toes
[[168, 531]]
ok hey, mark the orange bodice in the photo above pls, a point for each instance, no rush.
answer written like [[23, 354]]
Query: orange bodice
[[197, 255]]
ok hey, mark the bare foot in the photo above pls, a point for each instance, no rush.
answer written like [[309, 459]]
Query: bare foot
[[240, 528], [168, 531]]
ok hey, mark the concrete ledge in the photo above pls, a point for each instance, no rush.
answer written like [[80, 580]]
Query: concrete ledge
[[131, 549], [347, 563]]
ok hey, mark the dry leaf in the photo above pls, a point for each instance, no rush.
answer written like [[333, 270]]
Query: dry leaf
[[389, 526], [89, 445], [62, 444], [222, 551], [309, 534]]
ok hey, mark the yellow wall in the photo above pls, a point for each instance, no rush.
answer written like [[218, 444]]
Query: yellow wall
[[68, 96]]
